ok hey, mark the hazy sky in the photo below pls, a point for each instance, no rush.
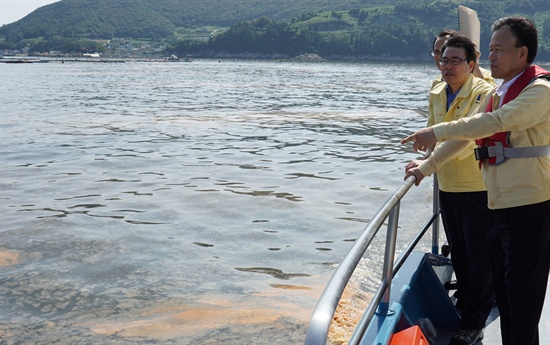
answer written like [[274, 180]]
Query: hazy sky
[[13, 10]]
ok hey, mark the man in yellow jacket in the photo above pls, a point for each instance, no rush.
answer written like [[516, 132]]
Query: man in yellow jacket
[[437, 44], [462, 193], [516, 171]]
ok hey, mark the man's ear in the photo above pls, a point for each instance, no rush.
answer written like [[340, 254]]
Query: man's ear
[[523, 52], [472, 65]]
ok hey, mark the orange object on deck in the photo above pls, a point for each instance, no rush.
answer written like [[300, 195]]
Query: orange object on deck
[[410, 336]]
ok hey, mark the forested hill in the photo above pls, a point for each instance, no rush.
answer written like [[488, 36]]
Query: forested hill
[[267, 28], [159, 18]]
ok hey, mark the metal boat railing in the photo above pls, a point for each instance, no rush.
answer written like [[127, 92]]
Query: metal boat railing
[[324, 311]]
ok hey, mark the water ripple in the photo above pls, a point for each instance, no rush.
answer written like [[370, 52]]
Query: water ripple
[[158, 196]]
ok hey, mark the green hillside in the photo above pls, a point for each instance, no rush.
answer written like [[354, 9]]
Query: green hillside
[[158, 18], [334, 29], [404, 30]]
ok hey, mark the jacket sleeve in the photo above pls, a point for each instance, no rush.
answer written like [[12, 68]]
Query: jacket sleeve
[[488, 77], [530, 109], [443, 153], [480, 93]]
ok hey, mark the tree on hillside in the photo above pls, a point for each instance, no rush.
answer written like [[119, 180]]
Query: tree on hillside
[[390, 28]]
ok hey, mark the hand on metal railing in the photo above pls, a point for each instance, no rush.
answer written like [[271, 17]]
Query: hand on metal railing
[[411, 169]]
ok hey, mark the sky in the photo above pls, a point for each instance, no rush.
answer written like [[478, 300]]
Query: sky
[[13, 10]]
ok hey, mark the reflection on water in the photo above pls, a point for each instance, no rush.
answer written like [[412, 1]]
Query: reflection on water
[[273, 272], [199, 203]]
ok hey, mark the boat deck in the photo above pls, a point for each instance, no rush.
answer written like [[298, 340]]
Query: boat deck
[[411, 300]]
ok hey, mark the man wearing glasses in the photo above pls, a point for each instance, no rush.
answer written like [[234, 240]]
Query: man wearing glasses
[[438, 42], [462, 193], [515, 157]]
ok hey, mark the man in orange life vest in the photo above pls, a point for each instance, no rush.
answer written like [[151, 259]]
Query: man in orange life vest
[[515, 159]]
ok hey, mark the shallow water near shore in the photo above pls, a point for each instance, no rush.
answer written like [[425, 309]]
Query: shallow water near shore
[[194, 203]]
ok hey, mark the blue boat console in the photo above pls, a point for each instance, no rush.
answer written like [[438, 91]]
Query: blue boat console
[[417, 298]]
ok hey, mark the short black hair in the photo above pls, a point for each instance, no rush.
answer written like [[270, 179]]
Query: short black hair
[[444, 33], [461, 41], [523, 30]]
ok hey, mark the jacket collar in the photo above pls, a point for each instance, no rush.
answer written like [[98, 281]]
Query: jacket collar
[[464, 89]]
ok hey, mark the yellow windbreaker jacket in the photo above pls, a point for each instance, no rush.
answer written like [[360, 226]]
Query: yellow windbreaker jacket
[[518, 181], [460, 174]]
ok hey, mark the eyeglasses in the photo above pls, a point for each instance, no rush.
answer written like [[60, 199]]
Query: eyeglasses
[[435, 52], [453, 61]]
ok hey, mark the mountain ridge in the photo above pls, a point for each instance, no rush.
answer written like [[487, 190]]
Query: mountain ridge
[[391, 28]]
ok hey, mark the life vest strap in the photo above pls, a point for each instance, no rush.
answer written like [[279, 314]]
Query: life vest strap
[[495, 149], [502, 153]]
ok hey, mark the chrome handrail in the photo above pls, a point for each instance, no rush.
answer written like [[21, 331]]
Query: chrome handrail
[[319, 325]]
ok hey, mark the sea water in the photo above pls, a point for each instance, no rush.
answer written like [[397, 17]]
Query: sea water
[[194, 203]]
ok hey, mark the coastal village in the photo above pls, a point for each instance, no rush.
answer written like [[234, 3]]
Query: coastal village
[[114, 48]]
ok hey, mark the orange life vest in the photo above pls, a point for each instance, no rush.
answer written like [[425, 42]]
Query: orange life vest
[[496, 149]]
